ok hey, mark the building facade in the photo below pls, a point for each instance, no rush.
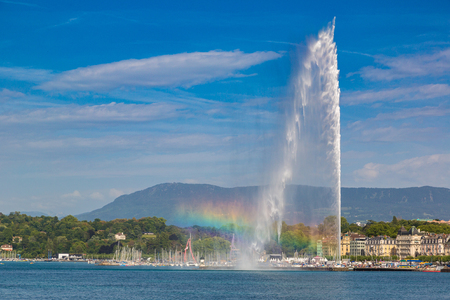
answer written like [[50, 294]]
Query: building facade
[[346, 239], [7, 247], [447, 246], [120, 236], [381, 246], [329, 246], [345, 243], [432, 244], [408, 242], [319, 248], [358, 246]]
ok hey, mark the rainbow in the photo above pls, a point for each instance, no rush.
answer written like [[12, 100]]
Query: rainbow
[[215, 213]]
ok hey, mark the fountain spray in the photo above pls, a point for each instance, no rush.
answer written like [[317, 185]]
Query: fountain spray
[[311, 143]]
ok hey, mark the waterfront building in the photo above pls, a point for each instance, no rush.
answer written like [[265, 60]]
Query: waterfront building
[[120, 236], [408, 242], [329, 246], [319, 248], [7, 247], [275, 257], [358, 246], [318, 260], [447, 246], [63, 256], [381, 246], [345, 243], [440, 222], [432, 244], [346, 238]]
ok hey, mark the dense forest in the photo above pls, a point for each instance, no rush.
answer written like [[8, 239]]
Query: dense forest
[[33, 237]]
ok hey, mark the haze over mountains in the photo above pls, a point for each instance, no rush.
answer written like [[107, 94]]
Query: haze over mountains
[[208, 205]]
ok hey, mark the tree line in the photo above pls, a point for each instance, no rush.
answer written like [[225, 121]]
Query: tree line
[[33, 237], [374, 228]]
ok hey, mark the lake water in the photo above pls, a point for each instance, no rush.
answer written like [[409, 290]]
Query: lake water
[[21, 280]]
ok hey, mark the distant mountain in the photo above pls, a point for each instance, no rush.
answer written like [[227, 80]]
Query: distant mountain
[[408, 203], [208, 205]]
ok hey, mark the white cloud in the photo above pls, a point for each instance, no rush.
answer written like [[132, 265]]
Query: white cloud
[[75, 194], [65, 23], [6, 95], [185, 69], [194, 140], [25, 74], [437, 111], [403, 66], [118, 112], [426, 170], [96, 196], [428, 91], [74, 144], [62, 147], [393, 134], [115, 193], [19, 3]]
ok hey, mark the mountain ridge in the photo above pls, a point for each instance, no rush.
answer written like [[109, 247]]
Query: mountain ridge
[[182, 204]]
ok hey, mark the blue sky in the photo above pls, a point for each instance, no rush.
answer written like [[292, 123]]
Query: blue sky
[[105, 98]]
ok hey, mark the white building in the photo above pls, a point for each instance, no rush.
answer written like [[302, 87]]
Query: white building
[[358, 247], [432, 244], [408, 242], [120, 236], [381, 246], [63, 256]]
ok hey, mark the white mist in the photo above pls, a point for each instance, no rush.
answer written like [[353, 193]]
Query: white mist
[[310, 153]]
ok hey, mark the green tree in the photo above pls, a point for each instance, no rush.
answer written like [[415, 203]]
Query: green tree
[[394, 221], [345, 226], [78, 247], [6, 235]]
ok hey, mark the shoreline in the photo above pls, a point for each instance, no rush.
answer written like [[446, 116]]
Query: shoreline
[[234, 268]]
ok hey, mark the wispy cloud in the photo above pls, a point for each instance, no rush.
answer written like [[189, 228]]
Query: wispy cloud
[[60, 147], [117, 112], [424, 170], [97, 196], [71, 20], [25, 74], [404, 66], [355, 52], [185, 70], [281, 42], [428, 111], [115, 193], [394, 134], [74, 144], [19, 3], [75, 194], [6, 95], [422, 92]]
